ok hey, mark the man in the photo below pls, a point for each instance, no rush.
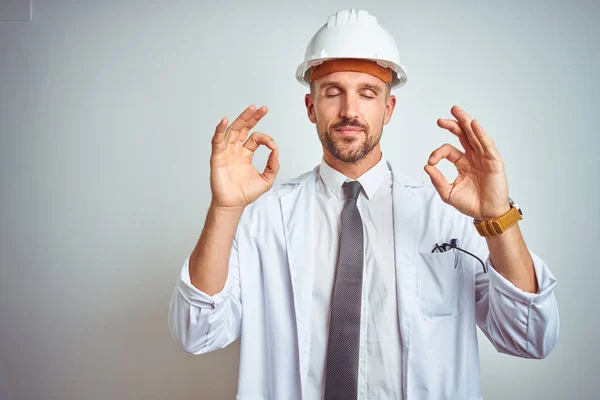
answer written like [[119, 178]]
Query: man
[[330, 278]]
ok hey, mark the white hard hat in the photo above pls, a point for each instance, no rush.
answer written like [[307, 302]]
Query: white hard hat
[[352, 34]]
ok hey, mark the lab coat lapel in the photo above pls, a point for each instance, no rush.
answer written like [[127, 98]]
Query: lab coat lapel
[[407, 208], [297, 209]]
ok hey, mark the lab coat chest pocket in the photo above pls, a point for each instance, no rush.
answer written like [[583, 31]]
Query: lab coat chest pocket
[[440, 284]]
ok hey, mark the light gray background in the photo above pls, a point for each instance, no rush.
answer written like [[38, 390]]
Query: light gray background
[[106, 115]]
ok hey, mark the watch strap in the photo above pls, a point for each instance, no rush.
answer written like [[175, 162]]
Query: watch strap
[[496, 226]]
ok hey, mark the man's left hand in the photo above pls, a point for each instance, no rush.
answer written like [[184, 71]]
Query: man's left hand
[[480, 190]]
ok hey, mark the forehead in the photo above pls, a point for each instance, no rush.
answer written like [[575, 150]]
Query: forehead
[[350, 79]]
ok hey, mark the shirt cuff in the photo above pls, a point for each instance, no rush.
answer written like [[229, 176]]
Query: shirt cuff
[[196, 297], [546, 282]]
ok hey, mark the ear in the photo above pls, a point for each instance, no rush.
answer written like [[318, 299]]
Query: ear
[[390, 104], [310, 108]]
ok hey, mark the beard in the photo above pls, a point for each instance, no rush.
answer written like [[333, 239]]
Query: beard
[[349, 149]]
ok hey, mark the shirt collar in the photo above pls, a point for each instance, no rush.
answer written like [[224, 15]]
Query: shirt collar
[[370, 180]]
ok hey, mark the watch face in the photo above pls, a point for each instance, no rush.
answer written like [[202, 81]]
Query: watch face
[[513, 204]]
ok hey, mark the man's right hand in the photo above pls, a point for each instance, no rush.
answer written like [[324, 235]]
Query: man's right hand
[[234, 181]]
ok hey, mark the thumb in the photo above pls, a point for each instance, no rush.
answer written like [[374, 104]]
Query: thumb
[[439, 181], [272, 166]]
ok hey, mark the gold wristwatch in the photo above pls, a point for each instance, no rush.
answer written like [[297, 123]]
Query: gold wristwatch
[[496, 226]]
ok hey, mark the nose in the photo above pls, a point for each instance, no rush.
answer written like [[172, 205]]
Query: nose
[[350, 106]]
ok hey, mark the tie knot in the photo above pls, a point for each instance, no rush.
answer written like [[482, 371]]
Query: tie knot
[[352, 189]]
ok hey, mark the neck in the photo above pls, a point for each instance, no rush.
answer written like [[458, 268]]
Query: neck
[[356, 169]]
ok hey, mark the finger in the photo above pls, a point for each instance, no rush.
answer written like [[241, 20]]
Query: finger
[[272, 167], [218, 139], [446, 151], [487, 143], [454, 127], [257, 138], [257, 116], [439, 181], [464, 120], [236, 127]]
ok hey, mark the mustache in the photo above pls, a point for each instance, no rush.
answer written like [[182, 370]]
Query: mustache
[[345, 122]]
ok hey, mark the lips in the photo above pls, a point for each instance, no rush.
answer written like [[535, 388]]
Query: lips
[[349, 131]]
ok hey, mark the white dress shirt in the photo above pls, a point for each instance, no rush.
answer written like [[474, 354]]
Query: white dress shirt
[[380, 373]]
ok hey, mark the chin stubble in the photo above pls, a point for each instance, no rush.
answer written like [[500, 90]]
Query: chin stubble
[[339, 148]]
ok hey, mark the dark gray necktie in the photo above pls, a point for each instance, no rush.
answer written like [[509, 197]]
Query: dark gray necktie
[[341, 371]]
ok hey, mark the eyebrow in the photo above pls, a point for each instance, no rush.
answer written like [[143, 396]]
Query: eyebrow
[[363, 85]]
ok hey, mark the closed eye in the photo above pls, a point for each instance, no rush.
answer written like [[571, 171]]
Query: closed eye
[[369, 94]]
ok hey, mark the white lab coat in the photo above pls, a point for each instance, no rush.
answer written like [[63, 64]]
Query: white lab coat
[[268, 297]]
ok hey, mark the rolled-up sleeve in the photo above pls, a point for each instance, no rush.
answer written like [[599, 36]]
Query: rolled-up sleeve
[[516, 322], [203, 323]]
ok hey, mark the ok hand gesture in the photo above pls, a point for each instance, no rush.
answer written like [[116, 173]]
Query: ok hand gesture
[[480, 190], [234, 181]]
